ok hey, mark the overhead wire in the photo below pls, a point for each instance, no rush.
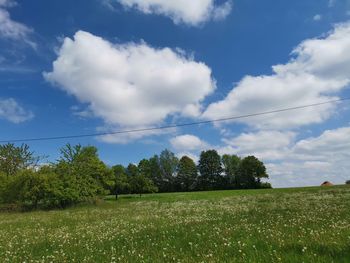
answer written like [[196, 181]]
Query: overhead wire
[[178, 125]]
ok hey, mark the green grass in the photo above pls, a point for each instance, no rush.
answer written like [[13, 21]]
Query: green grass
[[279, 225]]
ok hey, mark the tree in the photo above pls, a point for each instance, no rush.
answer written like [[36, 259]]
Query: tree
[[168, 163], [347, 182], [140, 184], [32, 190], [83, 173], [152, 170], [13, 158], [231, 165], [187, 174], [132, 170], [210, 170], [250, 172], [122, 184]]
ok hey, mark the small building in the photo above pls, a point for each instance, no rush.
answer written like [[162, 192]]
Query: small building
[[326, 183]]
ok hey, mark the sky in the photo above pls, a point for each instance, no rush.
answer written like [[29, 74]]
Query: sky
[[92, 66]]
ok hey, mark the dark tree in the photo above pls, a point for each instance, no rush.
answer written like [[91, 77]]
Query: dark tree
[[155, 172], [231, 164], [250, 172], [132, 170], [187, 175], [122, 184], [168, 163], [140, 184], [210, 170]]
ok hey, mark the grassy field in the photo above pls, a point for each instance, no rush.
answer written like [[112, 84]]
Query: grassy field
[[281, 225]]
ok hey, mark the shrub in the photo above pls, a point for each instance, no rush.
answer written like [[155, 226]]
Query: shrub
[[3, 182], [35, 190], [265, 185], [347, 182]]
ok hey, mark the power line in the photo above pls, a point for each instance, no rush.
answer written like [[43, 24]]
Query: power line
[[173, 125]]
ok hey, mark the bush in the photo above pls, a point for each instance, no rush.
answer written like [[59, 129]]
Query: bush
[[347, 182], [265, 185], [35, 190], [3, 182]]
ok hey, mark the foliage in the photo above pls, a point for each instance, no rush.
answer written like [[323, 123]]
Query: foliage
[[14, 159], [140, 184], [80, 176], [231, 164], [35, 190], [168, 163], [250, 172], [210, 170], [347, 182], [122, 184], [187, 175], [87, 173]]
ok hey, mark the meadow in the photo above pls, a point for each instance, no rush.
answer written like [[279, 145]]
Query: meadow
[[274, 225]]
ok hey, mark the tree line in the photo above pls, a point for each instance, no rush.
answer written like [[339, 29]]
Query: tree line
[[79, 175]]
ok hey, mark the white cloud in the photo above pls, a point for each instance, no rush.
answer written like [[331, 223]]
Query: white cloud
[[7, 3], [319, 70], [290, 162], [130, 85], [193, 12], [317, 17], [10, 29], [10, 110], [188, 143], [331, 144], [267, 145], [297, 163]]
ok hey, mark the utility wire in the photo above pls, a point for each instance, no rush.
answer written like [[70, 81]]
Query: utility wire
[[173, 125]]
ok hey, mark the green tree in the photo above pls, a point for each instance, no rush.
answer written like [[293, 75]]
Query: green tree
[[122, 184], [34, 190], [210, 170], [15, 158], [187, 174], [83, 173], [132, 170], [231, 165], [153, 171], [168, 163], [251, 171], [140, 184]]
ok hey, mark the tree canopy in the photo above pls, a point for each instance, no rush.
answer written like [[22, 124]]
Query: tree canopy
[[79, 175]]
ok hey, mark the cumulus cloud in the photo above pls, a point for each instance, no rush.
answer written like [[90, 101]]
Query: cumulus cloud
[[267, 145], [292, 162], [318, 71], [10, 29], [130, 85], [12, 111], [188, 142], [194, 12], [314, 160], [289, 161]]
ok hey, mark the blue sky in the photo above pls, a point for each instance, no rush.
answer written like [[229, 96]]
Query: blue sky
[[77, 67]]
